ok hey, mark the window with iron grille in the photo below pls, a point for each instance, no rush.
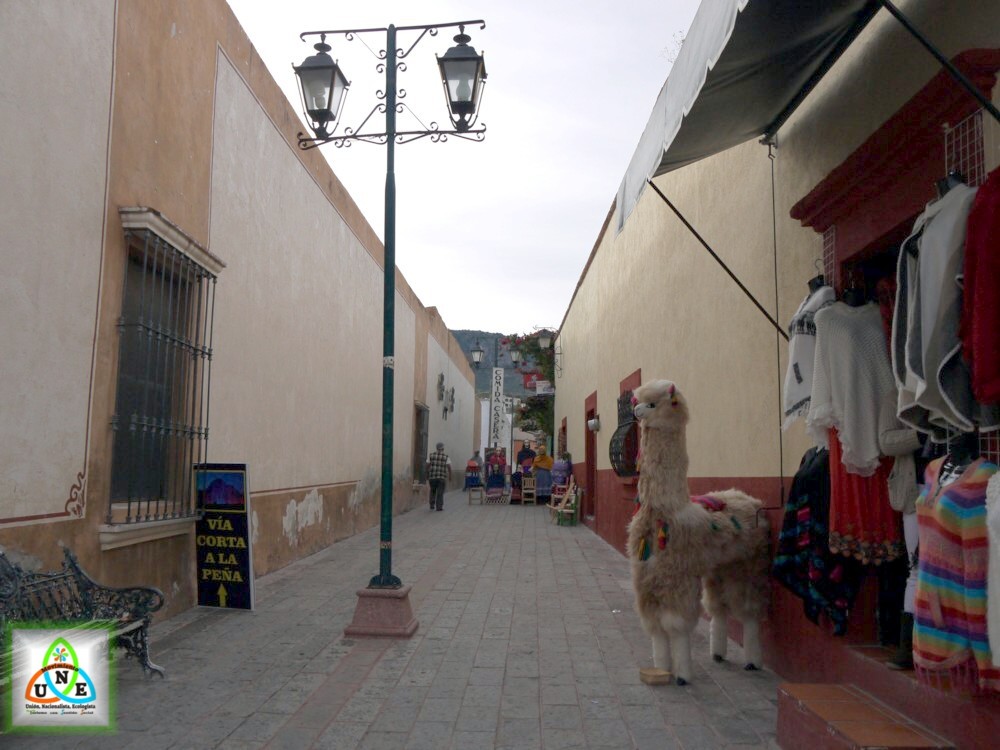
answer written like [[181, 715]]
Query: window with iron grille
[[625, 441], [161, 415]]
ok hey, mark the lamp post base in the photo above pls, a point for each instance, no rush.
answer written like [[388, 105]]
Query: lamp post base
[[384, 613]]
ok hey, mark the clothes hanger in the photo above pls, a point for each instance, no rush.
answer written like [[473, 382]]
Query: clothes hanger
[[853, 295], [817, 281], [963, 447], [946, 183]]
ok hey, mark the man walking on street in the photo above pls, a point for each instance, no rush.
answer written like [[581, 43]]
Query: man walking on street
[[438, 472]]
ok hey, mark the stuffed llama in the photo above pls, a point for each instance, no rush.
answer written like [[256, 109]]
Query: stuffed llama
[[676, 543]]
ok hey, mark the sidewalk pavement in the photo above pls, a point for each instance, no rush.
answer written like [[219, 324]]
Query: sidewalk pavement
[[527, 640]]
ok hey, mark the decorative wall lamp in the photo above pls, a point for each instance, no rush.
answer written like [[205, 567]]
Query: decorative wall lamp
[[323, 88], [594, 425], [546, 339]]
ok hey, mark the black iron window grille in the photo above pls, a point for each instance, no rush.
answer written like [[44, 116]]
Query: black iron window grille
[[624, 448], [164, 369]]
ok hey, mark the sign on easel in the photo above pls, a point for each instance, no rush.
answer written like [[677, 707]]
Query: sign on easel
[[222, 537]]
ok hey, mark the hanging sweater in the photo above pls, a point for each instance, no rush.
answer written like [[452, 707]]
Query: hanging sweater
[[993, 572], [981, 295], [949, 632], [852, 379], [826, 583], [932, 377], [801, 353]]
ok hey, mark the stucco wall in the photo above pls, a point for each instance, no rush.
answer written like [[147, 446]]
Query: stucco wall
[[653, 298], [54, 120], [455, 431], [294, 332], [173, 109], [877, 74]]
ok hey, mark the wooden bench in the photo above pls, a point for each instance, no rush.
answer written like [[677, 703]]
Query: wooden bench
[[70, 596]]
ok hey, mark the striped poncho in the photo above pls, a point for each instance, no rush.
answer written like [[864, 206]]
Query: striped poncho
[[949, 632]]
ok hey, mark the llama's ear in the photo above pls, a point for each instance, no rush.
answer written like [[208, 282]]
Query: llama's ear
[[671, 389]]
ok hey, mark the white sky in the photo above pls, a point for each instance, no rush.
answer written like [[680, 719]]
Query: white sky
[[494, 234]]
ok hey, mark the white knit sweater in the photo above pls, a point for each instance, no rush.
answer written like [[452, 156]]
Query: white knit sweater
[[993, 568], [852, 380], [802, 353]]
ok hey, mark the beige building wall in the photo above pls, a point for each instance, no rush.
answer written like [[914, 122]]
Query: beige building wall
[[455, 431], [652, 297], [174, 110], [54, 120]]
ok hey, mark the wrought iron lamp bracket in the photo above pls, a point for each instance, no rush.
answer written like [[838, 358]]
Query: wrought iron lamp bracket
[[406, 136], [433, 132]]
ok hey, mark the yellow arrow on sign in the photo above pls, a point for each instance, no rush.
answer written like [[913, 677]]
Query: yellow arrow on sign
[[222, 595]]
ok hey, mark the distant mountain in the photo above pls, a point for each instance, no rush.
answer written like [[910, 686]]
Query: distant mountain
[[512, 380]]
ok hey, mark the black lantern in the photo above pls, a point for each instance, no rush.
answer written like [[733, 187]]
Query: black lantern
[[477, 354], [463, 72], [322, 86]]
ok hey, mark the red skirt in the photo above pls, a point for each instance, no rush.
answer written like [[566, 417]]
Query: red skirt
[[862, 523]]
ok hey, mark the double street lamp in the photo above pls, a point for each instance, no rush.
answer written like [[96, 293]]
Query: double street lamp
[[478, 352], [324, 86]]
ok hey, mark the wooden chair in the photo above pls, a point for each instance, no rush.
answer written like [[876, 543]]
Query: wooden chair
[[478, 492], [566, 516], [528, 491], [561, 494]]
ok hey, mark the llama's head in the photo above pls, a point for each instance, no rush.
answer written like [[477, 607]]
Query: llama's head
[[660, 405]]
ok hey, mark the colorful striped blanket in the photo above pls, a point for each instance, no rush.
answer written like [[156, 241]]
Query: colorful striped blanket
[[949, 633]]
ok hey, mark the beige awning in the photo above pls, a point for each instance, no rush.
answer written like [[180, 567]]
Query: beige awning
[[744, 67]]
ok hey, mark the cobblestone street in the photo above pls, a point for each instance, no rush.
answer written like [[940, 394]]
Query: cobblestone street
[[527, 639]]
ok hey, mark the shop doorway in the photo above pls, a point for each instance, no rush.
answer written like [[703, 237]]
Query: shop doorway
[[589, 506]]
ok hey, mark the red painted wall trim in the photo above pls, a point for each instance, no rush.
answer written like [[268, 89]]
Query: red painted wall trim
[[895, 168], [631, 382]]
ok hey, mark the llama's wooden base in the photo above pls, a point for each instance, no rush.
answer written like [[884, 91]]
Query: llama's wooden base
[[654, 676]]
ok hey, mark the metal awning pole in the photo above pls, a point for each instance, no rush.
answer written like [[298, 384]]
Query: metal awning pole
[[957, 74], [719, 260]]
